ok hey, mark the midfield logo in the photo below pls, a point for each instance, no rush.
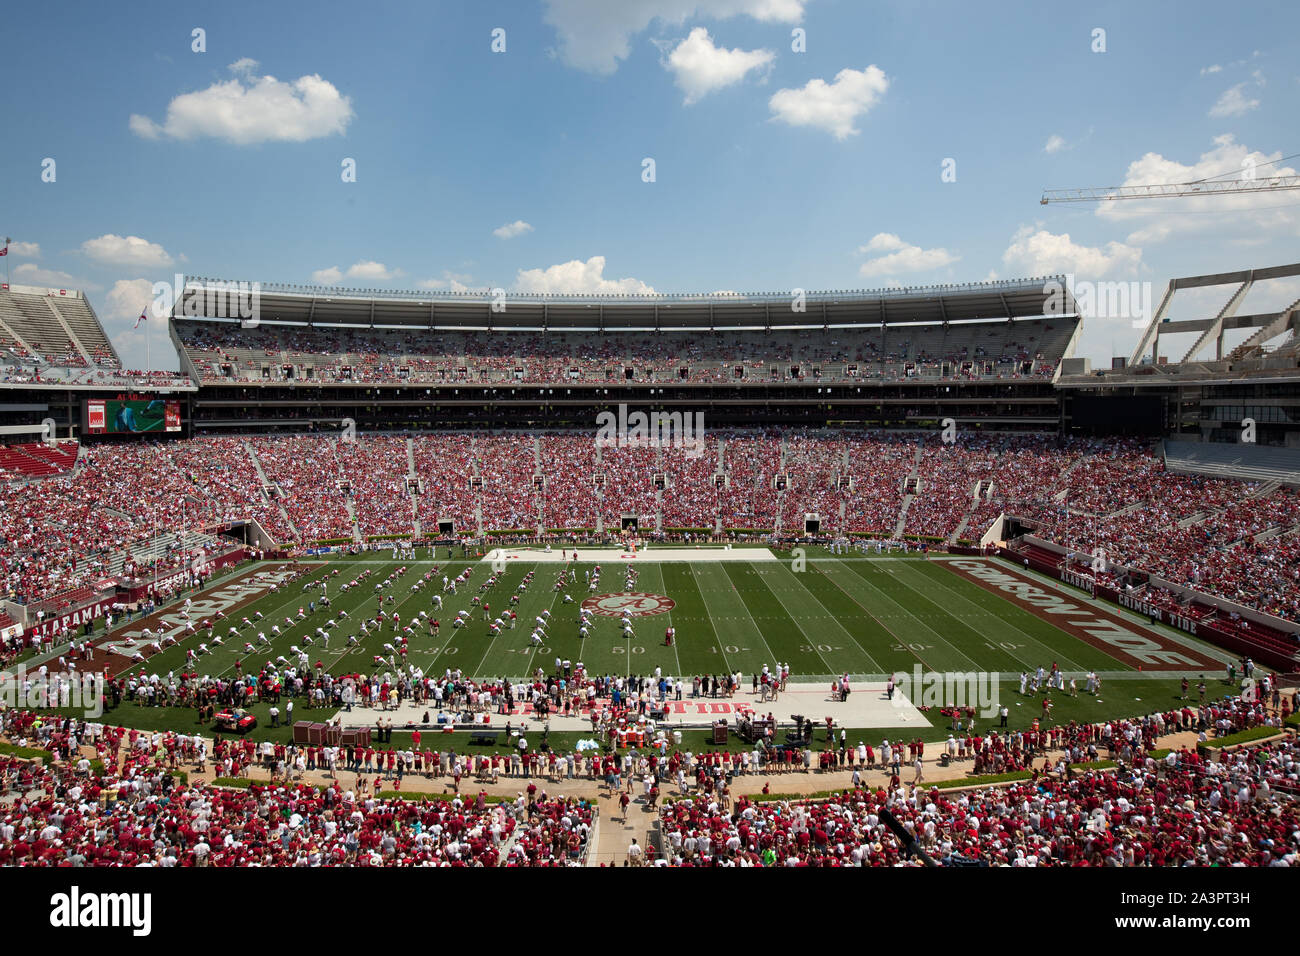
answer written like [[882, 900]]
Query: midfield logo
[[635, 604]]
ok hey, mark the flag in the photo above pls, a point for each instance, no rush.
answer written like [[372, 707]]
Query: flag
[[141, 319], [5, 250]]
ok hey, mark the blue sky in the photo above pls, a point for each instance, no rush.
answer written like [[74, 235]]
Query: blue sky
[[774, 168]]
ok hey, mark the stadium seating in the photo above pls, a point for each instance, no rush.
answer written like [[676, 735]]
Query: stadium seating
[[60, 330], [292, 825], [1230, 539], [34, 460], [1240, 811], [224, 352]]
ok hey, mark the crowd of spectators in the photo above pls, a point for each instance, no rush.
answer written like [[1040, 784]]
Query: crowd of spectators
[[1229, 539], [126, 808], [277, 352], [107, 795], [1156, 809]]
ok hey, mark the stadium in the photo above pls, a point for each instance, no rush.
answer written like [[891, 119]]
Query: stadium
[[903, 516], [573, 572]]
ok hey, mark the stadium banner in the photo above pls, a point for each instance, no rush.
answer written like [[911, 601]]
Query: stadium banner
[[1203, 629], [52, 626], [110, 416]]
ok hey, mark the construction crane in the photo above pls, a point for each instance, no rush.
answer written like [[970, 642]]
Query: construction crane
[[1200, 187]]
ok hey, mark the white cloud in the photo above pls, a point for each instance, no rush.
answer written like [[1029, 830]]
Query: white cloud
[[1222, 215], [699, 67], [831, 106], [365, 269], [577, 276], [901, 256], [1055, 143], [27, 250], [512, 229], [113, 250], [369, 269], [1214, 68], [593, 34], [128, 298], [1233, 102], [883, 242], [1037, 252], [253, 109], [29, 273], [452, 281], [146, 344]]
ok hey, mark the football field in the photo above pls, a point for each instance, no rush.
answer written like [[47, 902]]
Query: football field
[[823, 616]]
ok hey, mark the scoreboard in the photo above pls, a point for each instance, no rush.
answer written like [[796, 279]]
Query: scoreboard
[[122, 416]]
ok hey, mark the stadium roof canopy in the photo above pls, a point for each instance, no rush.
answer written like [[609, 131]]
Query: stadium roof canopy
[[1006, 299]]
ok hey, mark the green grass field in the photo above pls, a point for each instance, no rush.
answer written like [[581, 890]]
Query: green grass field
[[867, 616], [863, 616]]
